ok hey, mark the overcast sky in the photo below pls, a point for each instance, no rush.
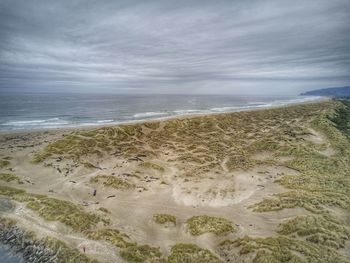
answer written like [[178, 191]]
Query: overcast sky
[[227, 47]]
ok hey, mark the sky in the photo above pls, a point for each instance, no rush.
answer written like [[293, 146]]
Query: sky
[[181, 47]]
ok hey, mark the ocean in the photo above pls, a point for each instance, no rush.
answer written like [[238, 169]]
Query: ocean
[[7, 257], [47, 111]]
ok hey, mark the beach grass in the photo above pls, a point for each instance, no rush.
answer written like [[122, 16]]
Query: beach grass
[[6, 177], [281, 249], [53, 209], [4, 163], [112, 181], [164, 218], [65, 253], [202, 224], [191, 253]]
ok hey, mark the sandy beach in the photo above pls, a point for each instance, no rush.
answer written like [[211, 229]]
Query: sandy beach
[[223, 166]]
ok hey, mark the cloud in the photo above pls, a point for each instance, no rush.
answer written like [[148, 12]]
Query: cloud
[[174, 46]]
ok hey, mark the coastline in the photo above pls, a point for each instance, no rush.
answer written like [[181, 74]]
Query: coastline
[[184, 164]]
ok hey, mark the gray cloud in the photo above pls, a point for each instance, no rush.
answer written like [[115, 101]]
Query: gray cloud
[[174, 46]]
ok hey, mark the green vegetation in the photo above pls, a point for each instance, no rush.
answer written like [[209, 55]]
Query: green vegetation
[[199, 225], [342, 118], [164, 218], [4, 163], [319, 229], [323, 180], [9, 178], [113, 236], [140, 253], [130, 251], [190, 253], [53, 209], [112, 181], [65, 253], [282, 249]]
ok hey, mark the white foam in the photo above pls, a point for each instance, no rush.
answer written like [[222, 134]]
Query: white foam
[[105, 121], [148, 114]]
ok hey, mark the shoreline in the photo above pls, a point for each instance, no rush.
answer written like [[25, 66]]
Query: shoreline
[[160, 119], [21, 246]]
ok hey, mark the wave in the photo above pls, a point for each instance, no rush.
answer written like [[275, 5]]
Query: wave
[[149, 114], [184, 112], [105, 121], [50, 121]]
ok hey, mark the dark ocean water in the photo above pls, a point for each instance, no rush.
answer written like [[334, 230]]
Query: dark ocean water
[[7, 257], [44, 111]]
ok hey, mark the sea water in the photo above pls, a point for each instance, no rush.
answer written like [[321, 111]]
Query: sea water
[[32, 111], [7, 257]]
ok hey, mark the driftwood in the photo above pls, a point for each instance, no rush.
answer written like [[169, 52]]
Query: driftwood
[[136, 158], [95, 191], [74, 182], [110, 196]]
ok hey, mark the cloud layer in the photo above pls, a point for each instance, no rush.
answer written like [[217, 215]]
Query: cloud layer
[[174, 46]]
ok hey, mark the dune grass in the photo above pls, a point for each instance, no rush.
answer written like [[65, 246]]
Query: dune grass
[[201, 224], [113, 236], [322, 229], [53, 209], [191, 253], [4, 163], [164, 218], [140, 253], [10, 177], [130, 251], [65, 253], [282, 249], [112, 181], [323, 180]]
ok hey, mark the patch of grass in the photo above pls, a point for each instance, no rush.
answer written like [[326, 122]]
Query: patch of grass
[[9, 178], [164, 218], [113, 236], [65, 253], [322, 180], [321, 229], [140, 253], [4, 163], [112, 181], [281, 249], [7, 222], [199, 225], [342, 118], [130, 251], [191, 253], [53, 209]]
